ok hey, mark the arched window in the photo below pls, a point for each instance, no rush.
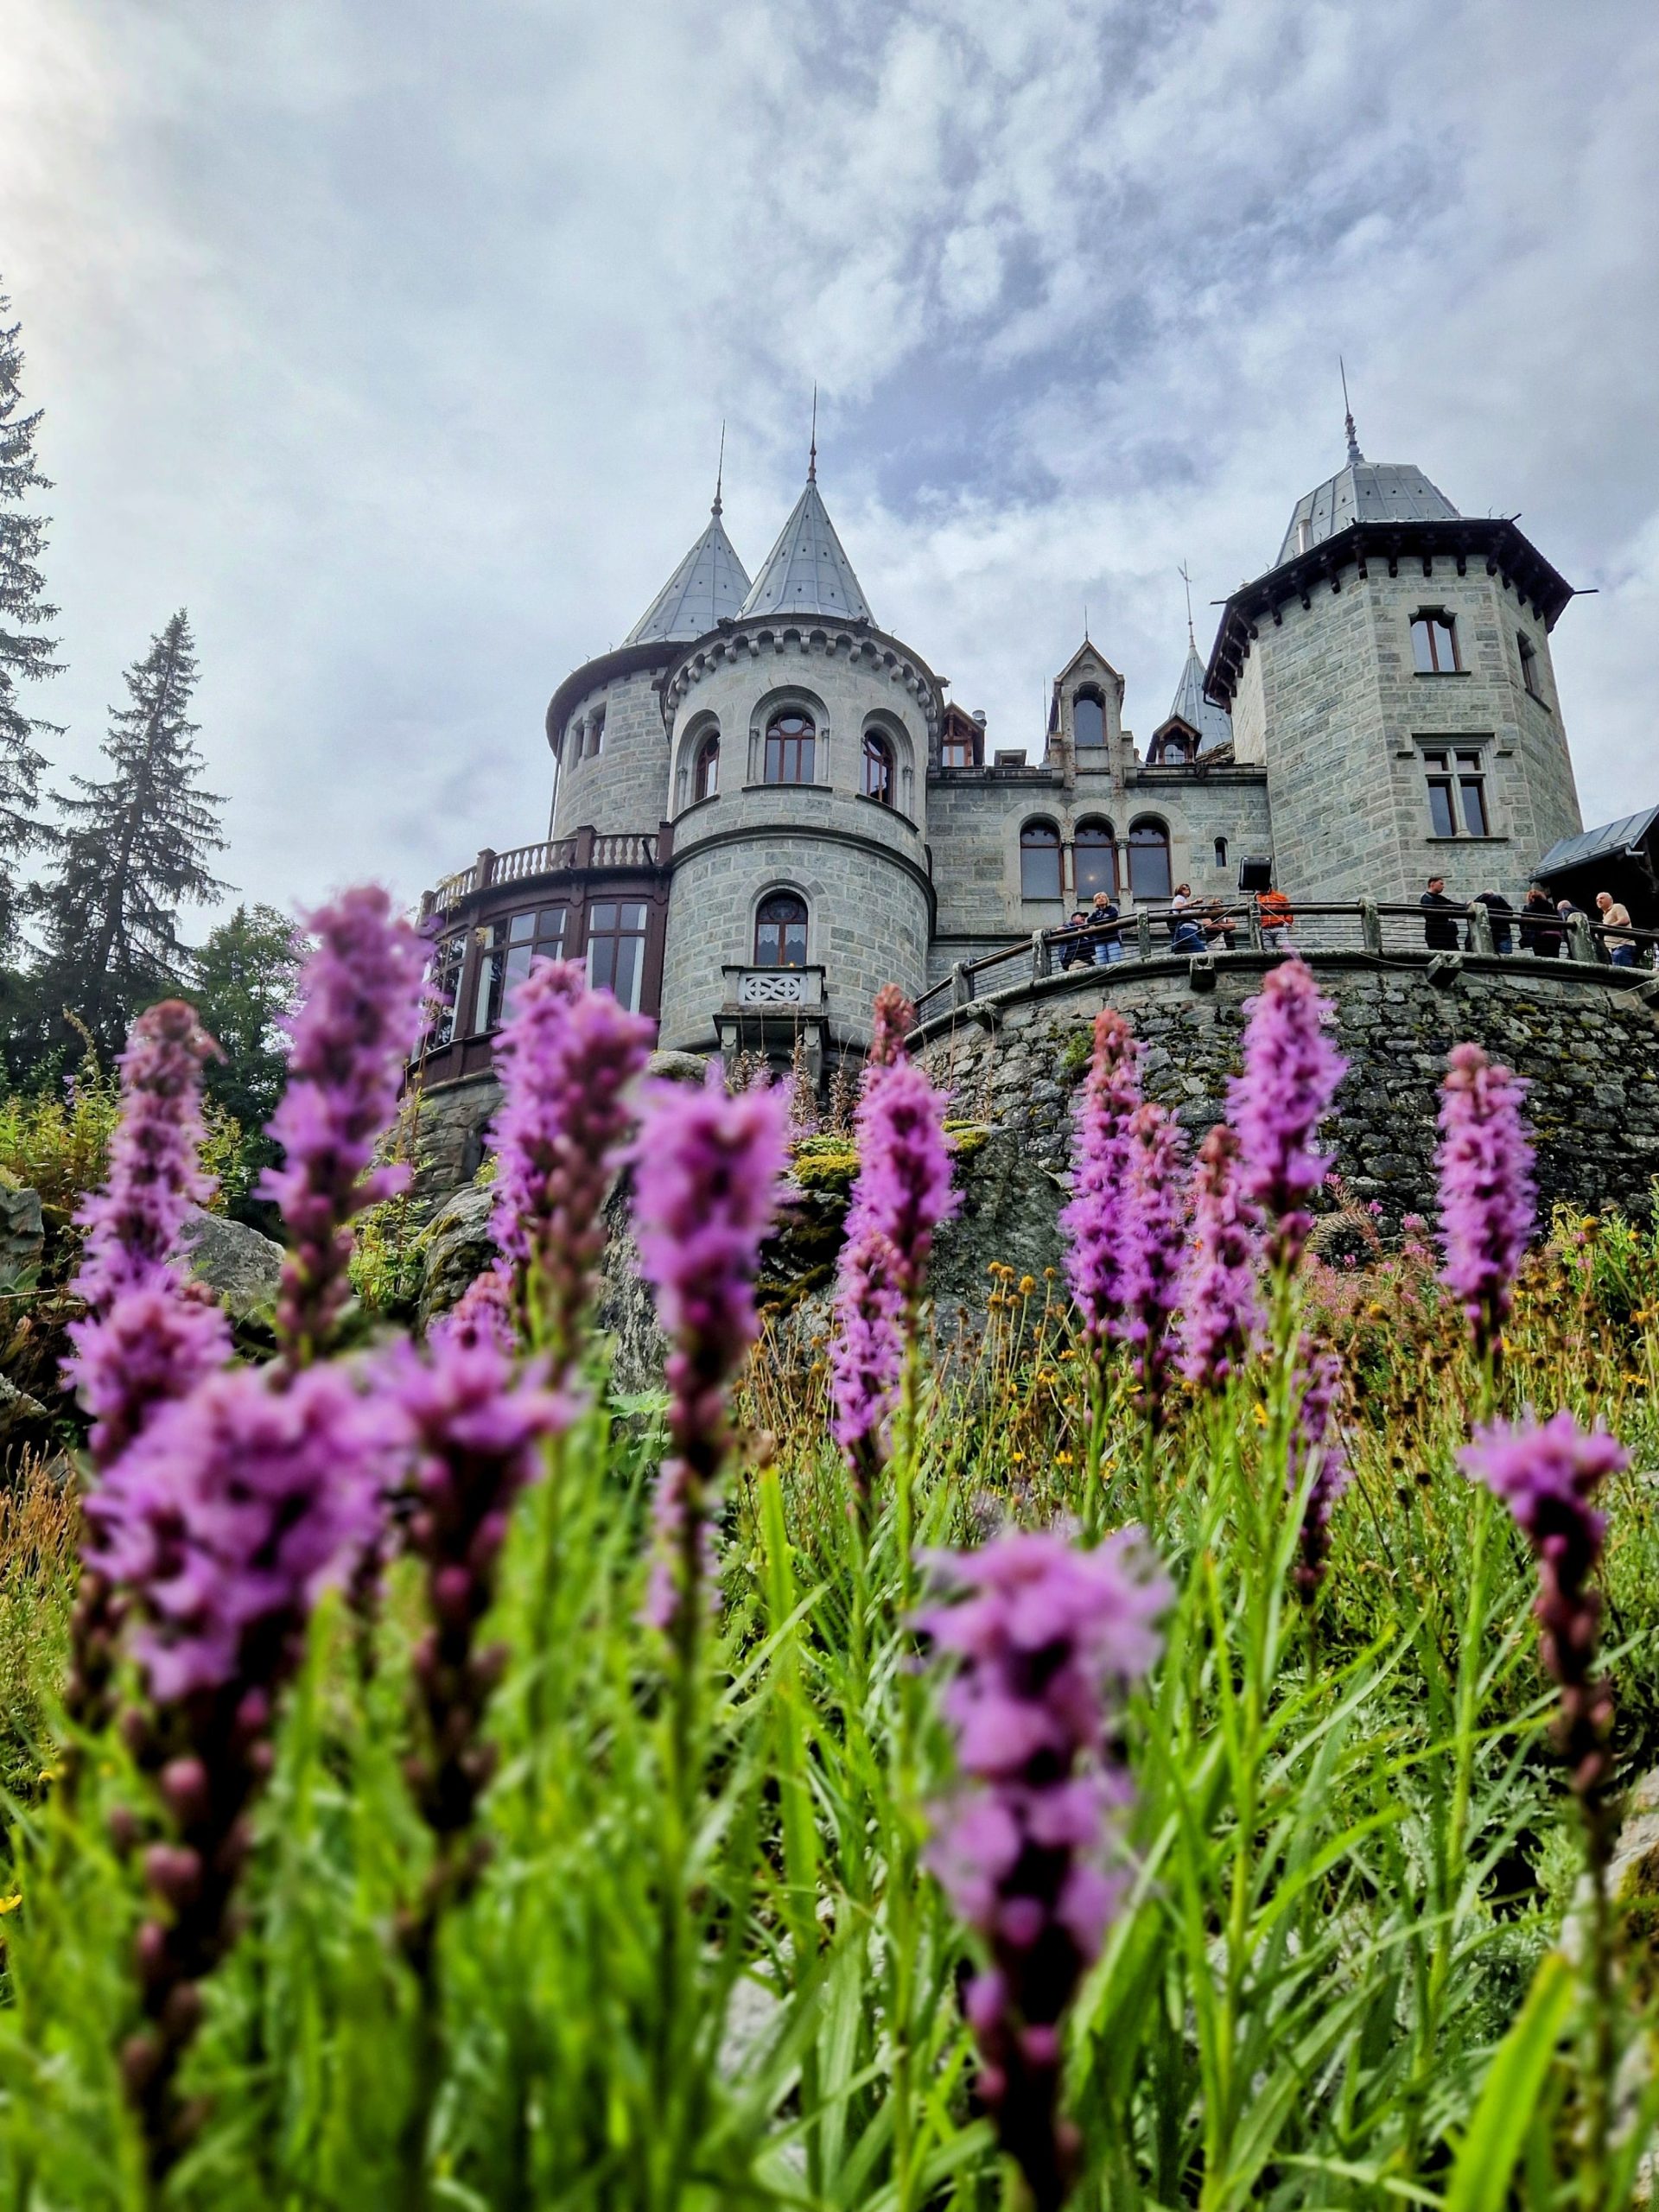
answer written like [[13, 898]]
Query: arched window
[[878, 767], [1221, 852], [780, 932], [1434, 642], [1148, 858], [705, 773], [790, 748], [1040, 861], [595, 739], [1089, 720], [1095, 857], [1174, 749]]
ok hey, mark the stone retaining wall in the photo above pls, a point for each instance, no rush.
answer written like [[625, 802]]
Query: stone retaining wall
[[1589, 1045]]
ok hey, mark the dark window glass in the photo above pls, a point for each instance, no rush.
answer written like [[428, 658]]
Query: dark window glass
[[1474, 805], [1434, 643], [1040, 861], [616, 949], [1529, 665], [705, 779], [487, 999], [1095, 859], [1149, 859], [790, 748], [1089, 720], [443, 981], [1221, 852], [534, 936], [878, 768], [780, 932], [958, 752], [1440, 806]]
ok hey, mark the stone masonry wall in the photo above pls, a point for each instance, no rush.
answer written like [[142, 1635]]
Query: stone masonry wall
[[625, 784], [1590, 1049]]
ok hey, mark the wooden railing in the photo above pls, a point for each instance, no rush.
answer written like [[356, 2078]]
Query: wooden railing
[[1361, 926], [586, 848]]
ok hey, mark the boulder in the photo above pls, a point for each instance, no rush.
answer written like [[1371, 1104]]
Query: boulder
[[678, 1067], [458, 1246], [23, 1234], [240, 1267]]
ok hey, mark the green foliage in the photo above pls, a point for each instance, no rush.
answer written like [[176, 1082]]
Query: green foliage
[[25, 649], [705, 1966]]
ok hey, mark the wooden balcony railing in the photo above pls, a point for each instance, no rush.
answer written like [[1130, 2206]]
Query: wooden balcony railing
[[586, 848]]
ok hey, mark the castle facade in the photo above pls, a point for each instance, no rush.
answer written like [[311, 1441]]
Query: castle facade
[[765, 807]]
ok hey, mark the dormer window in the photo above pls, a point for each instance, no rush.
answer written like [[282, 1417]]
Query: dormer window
[[1434, 642], [790, 748], [878, 767], [959, 748], [1089, 721]]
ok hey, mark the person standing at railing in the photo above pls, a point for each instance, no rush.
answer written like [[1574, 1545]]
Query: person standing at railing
[[1078, 952], [1107, 935], [1439, 918], [1272, 910], [1541, 930], [1499, 907], [1616, 920]]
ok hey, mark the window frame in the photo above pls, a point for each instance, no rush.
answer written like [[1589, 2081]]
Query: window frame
[[1530, 658], [1158, 842], [1093, 696], [598, 933], [1455, 773], [705, 767], [877, 745], [1040, 837], [1430, 620], [784, 924], [959, 739], [1094, 835], [797, 747]]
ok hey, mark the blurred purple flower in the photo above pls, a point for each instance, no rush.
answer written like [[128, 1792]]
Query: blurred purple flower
[[1488, 1198], [568, 1058], [476, 1423], [1094, 1222], [894, 1017], [706, 1176], [482, 1314], [1219, 1293], [1318, 1379], [1048, 1639], [1291, 1074], [901, 1195], [1153, 1241], [1547, 1473], [357, 1017]]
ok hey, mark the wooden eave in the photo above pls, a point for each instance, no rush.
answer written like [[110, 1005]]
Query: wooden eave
[[1493, 541]]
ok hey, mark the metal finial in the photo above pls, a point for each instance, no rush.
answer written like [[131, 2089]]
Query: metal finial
[[812, 457], [1085, 621], [719, 471], [1354, 452], [1191, 642]]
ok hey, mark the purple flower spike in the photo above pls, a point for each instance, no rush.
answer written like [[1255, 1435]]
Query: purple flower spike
[[1153, 1247], [358, 1018], [568, 1058], [150, 1334], [1291, 1074], [1547, 1473], [1319, 1379], [1219, 1297], [475, 1425], [1048, 1639], [1095, 1221], [707, 1171], [901, 1196], [1488, 1199], [481, 1315]]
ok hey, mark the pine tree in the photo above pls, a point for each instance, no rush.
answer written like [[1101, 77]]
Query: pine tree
[[25, 650], [130, 851]]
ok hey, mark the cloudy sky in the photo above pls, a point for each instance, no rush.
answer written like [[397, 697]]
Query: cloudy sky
[[393, 339]]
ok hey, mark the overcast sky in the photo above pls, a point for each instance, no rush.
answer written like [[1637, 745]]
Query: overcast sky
[[393, 339]]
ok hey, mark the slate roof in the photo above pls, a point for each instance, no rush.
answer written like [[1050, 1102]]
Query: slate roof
[[1213, 724], [807, 572], [1624, 835], [709, 586], [1363, 491]]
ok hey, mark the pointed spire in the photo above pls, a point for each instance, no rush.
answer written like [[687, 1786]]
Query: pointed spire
[[812, 456], [807, 571], [1191, 642], [1355, 456], [709, 586]]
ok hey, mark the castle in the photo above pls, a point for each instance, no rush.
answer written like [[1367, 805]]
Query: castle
[[765, 807]]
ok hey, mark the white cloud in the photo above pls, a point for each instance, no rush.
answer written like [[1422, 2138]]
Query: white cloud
[[394, 339]]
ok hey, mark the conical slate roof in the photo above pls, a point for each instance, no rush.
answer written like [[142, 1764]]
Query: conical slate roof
[[807, 571], [1214, 724], [709, 586], [1363, 491]]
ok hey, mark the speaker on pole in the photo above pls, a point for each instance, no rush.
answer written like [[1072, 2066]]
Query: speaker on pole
[[1255, 874]]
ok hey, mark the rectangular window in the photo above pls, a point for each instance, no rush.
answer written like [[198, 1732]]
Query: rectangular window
[[443, 981], [958, 752], [486, 1002], [1529, 666], [1457, 792], [538, 936], [616, 949], [1471, 786], [1434, 642]]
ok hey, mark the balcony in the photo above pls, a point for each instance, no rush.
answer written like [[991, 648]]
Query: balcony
[[630, 850], [766, 1010]]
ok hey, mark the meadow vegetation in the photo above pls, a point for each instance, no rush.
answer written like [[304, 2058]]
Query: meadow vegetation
[[1158, 1742]]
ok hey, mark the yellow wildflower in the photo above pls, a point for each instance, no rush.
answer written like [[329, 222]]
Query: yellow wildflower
[[11, 1904], [1259, 1415]]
